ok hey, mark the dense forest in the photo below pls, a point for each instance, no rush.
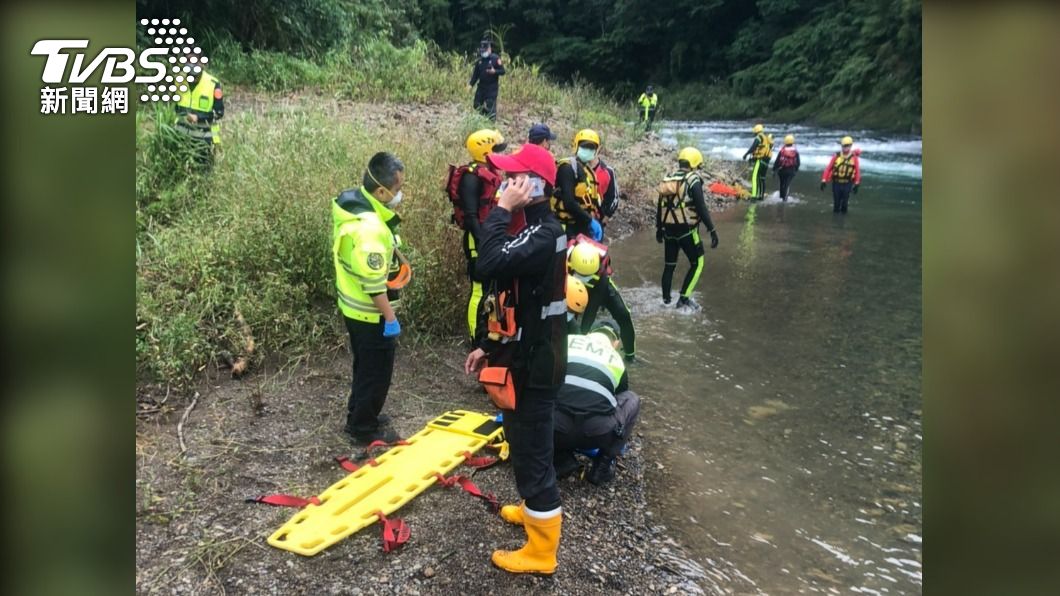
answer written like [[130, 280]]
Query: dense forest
[[854, 62]]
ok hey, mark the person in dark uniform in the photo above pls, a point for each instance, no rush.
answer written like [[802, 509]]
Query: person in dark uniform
[[527, 335], [681, 207], [486, 75]]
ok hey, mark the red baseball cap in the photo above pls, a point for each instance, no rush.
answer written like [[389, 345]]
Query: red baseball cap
[[529, 158]]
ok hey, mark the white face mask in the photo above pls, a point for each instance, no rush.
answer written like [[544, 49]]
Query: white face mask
[[394, 202], [484, 54]]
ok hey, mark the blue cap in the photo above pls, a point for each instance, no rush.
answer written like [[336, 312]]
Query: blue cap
[[540, 132]]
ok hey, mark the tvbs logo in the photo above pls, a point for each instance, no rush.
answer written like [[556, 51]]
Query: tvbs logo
[[119, 64], [169, 67]]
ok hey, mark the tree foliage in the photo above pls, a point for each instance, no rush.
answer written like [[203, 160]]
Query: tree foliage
[[708, 57]]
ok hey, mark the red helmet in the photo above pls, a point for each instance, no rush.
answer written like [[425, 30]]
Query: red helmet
[[529, 158]]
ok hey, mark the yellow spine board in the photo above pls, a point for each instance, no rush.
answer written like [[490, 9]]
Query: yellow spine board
[[401, 473]]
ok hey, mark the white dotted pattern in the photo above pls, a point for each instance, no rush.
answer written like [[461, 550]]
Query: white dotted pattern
[[185, 58]]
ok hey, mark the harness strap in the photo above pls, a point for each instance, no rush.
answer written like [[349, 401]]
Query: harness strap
[[284, 500], [395, 532]]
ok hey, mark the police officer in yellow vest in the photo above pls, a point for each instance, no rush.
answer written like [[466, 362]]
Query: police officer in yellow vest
[[576, 201], [761, 152], [648, 101], [364, 243], [681, 207], [199, 108]]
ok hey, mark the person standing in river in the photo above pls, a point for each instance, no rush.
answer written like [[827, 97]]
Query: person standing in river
[[487, 73], [760, 152], [844, 172], [787, 164], [680, 209]]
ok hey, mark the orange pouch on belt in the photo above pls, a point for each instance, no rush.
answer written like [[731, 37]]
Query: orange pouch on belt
[[498, 383]]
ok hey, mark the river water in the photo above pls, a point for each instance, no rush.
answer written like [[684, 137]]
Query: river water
[[785, 417]]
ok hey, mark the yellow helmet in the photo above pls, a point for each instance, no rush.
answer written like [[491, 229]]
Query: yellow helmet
[[483, 142], [577, 295], [847, 140], [586, 135], [692, 156], [758, 128], [584, 259], [789, 140]]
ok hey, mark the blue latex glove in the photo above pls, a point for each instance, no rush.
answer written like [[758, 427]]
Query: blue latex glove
[[597, 231], [392, 328]]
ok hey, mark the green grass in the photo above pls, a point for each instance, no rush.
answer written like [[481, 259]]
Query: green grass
[[253, 236]]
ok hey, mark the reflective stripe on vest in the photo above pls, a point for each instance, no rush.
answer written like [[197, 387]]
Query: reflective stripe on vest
[[592, 386], [585, 192], [594, 364]]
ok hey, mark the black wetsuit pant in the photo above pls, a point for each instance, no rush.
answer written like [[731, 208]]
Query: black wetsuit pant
[[648, 119], [681, 238], [605, 294], [373, 367], [841, 195], [529, 431], [486, 101], [476, 318], [608, 433], [786, 175]]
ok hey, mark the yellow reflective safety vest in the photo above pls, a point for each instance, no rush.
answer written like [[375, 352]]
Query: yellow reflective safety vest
[[200, 99], [647, 103], [765, 146], [595, 372], [675, 203], [362, 249], [586, 192]]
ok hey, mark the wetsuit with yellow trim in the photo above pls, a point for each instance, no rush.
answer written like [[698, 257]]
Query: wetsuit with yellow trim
[[471, 191], [576, 201], [604, 292], [677, 226], [761, 152]]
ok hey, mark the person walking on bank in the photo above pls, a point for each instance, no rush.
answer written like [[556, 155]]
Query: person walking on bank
[[486, 74], [198, 110], [472, 190], [525, 351], [760, 153], [364, 244], [577, 199], [844, 171], [681, 208], [787, 164], [648, 102]]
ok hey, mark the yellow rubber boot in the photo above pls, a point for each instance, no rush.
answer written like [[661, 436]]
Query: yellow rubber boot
[[538, 555], [513, 514]]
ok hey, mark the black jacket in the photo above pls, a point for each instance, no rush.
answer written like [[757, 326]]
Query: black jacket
[[484, 79], [533, 264]]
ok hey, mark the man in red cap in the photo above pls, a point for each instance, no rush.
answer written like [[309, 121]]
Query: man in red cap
[[528, 271]]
